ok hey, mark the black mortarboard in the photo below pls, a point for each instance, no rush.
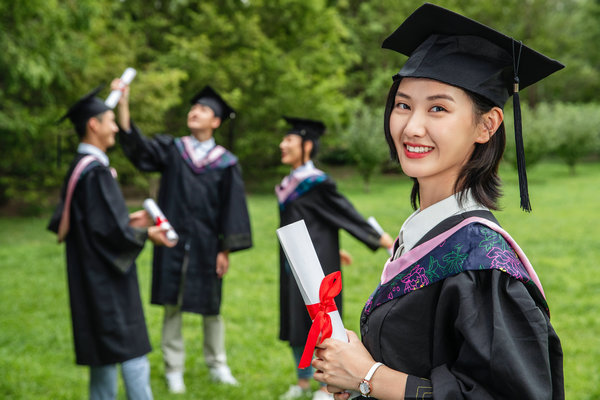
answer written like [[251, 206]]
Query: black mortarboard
[[85, 108], [308, 129], [208, 97], [459, 51]]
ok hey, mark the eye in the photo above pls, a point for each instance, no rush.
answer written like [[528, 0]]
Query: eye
[[438, 109], [402, 106]]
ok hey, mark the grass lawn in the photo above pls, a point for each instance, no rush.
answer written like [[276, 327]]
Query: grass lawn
[[561, 234]]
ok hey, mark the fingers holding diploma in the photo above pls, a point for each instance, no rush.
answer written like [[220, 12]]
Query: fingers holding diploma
[[157, 235]]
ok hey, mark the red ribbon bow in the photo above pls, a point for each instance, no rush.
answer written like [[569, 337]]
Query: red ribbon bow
[[321, 327], [160, 221]]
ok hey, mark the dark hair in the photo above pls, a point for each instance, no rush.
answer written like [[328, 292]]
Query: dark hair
[[80, 127], [480, 173]]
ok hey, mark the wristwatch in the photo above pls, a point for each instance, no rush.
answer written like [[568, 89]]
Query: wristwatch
[[365, 385]]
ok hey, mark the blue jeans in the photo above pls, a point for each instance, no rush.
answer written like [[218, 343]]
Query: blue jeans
[[136, 376], [302, 373]]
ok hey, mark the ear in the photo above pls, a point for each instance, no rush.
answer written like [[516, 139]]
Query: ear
[[91, 126], [489, 124], [216, 122]]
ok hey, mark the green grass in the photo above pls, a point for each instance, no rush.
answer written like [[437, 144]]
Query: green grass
[[560, 237]]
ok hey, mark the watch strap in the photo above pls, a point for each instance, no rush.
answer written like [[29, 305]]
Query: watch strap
[[365, 385], [372, 371]]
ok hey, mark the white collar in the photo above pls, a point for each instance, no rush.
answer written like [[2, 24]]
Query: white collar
[[204, 145], [86, 148], [421, 222], [307, 166]]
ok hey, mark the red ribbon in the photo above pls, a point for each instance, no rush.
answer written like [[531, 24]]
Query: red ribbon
[[321, 327], [160, 221]]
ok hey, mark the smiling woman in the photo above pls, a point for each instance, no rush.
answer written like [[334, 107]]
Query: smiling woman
[[435, 132], [459, 311]]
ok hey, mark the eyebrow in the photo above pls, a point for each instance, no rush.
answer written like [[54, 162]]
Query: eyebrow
[[430, 98]]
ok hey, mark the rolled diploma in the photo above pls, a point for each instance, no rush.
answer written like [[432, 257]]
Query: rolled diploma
[[307, 270], [114, 96], [375, 225], [159, 218]]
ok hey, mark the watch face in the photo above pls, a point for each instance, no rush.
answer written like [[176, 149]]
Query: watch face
[[364, 388]]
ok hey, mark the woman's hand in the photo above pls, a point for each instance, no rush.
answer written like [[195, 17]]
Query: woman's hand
[[140, 219], [386, 241], [342, 365], [157, 235], [345, 257]]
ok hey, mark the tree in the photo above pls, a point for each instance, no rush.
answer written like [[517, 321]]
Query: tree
[[366, 142]]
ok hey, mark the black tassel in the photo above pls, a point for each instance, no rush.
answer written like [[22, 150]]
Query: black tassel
[[520, 148], [522, 171]]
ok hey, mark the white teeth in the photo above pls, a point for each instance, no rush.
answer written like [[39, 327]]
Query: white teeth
[[418, 149]]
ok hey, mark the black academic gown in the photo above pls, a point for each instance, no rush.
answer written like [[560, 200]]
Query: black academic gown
[[208, 211], [475, 335], [106, 309], [325, 211]]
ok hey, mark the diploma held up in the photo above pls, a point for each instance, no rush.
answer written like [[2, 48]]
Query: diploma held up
[[114, 96]]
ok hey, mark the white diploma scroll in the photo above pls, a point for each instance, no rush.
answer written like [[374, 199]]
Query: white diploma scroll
[[114, 96], [307, 270], [159, 219], [375, 225]]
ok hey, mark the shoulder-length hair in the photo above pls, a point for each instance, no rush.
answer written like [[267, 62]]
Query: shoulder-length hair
[[480, 173]]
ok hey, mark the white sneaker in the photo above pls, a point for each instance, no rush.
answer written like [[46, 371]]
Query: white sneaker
[[295, 392], [223, 374], [175, 382], [322, 395]]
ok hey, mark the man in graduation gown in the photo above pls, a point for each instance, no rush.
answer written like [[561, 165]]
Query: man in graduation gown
[[202, 195], [310, 194], [102, 243]]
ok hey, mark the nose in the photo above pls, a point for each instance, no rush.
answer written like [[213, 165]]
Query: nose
[[415, 125]]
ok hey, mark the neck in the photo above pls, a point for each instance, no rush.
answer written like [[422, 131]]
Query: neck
[[94, 143], [432, 192], [202, 135]]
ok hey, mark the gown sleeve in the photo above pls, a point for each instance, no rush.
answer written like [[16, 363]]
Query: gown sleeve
[[235, 233], [334, 208], [502, 343], [106, 221], [148, 155]]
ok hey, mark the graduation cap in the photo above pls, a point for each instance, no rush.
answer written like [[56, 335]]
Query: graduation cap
[[450, 48], [308, 129], [85, 108], [210, 98]]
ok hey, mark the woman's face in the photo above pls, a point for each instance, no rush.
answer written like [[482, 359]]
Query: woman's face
[[435, 129], [291, 150]]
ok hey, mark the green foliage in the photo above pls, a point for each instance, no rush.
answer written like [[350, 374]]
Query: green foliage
[[576, 132], [366, 143], [536, 125], [569, 131], [309, 58]]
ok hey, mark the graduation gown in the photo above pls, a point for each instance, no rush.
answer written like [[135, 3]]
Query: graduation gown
[[466, 318], [106, 309], [206, 205], [325, 211]]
